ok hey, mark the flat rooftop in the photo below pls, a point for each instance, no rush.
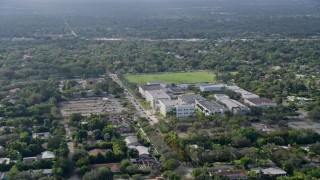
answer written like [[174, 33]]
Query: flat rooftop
[[191, 98], [231, 103], [210, 105], [169, 102], [151, 87], [260, 101], [158, 94]]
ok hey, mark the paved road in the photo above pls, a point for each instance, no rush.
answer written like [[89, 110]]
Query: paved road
[[68, 138], [149, 114]]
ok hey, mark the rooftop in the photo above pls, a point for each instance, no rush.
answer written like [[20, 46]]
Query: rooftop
[[131, 139], [210, 105], [231, 103], [167, 102], [214, 85], [270, 171], [47, 155], [191, 98], [158, 94], [141, 149], [244, 93], [260, 101], [5, 160], [241, 173], [151, 87]]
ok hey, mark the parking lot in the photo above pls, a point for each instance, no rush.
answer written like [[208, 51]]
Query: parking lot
[[88, 106]]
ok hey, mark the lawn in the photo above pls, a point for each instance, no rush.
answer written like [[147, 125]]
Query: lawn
[[178, 78]]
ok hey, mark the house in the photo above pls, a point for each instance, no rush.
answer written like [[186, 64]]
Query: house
[[154, 95], [95, 152], [143, 151], [4, 160], [260, 102], [131, 141], [212, 87], [270, 171], [151, 87], [29, 159], [179, 109], [43, 135], [232, 174], [45, 172], [234, 106], [114, 167], [90, 93], [210, 107], [47, 155]]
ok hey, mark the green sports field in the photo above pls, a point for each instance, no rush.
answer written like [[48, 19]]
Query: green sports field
[[178, 78]]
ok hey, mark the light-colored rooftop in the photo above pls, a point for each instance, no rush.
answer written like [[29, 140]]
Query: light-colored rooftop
[[190, 98], [260, 101], [270, 171], [231, 103], [167, 102], [47, 155], [211, 105], [158, 94], [131, 140]]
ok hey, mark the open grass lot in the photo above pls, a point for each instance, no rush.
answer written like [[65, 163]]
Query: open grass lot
[[180, 77]]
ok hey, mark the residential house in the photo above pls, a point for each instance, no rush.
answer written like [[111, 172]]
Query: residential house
[[143, 151], [4, 160], [47, 155], [272, 171], [29, 159], [43, 135], [131, 141]]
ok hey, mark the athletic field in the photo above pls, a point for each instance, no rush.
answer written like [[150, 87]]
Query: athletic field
[[178, 78]]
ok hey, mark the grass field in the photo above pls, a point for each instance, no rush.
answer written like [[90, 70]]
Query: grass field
[[178, 78]]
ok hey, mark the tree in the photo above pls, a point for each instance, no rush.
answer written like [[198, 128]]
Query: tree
[[13, 172], [124, 164], [62, 167], [101, 174], [133, 153], [243, 162], [171, 164]]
